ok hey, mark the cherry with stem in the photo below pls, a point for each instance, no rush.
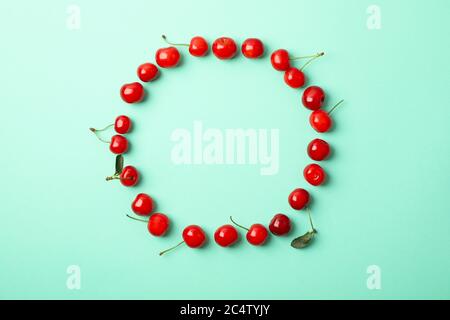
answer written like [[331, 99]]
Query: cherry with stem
[[137, 219], [96, 131], [157, 224], [170, 249], [256, 235], [117, 177]]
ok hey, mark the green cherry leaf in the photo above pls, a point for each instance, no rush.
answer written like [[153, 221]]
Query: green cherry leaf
[[304, 240], [119, 164]]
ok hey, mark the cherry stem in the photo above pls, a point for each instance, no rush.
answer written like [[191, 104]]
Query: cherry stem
[[95, 131], [314, 57], [141, 220], [174, 44], [170, 249], [114, 177], [310, 220], [237, 224], [99, 130], [335, 106]]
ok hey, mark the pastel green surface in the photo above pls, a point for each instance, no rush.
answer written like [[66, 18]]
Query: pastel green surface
[[386, 202]]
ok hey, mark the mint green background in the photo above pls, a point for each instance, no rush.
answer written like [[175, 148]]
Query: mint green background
[[386, 202]]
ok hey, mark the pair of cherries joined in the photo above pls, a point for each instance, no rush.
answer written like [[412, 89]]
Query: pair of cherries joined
[[223, 48]]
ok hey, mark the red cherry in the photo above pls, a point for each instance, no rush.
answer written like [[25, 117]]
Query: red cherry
[[280, 225], [147, 72], [298, 199], [313, 97], [280, 60], [194, 236], [252, 48], [224, 48], [167, 57], [226, 235], [132, 92], [198, 47], [119, 144], [129, 176], [320, 120], [318, 149], [294, 78], [257, 234], [142, 204], [314, 174], [122, 124], [158, 224]]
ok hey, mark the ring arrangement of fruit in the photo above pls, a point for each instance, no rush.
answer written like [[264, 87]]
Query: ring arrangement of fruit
[[226, 235]]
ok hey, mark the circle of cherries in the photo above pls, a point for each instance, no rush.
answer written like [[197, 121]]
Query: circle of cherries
[[227, 235]]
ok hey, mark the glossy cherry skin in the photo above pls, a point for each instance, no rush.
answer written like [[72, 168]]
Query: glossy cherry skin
[[252, 48], [298, 199], [280, 225], [321, 121], [226, 235], [158, 224], [313, 97], [132, 92], [194, 236], [122, 124], [198, 47], [318, 149], [294, 78], [280, 60], [147, 72], [257, 234], [142, 205], [224, 48], [119, 144], [167, 57], [314, 174], [129, 176]]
